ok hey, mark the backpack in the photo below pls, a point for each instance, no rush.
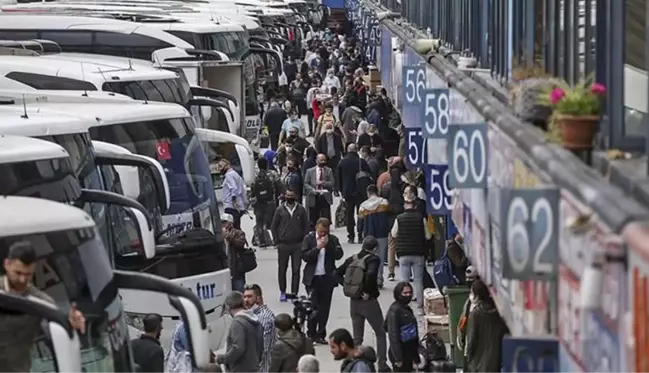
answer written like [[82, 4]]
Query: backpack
[[354, 278], [443, 273], [435, 347], [264, 190], [350, 366], [363, 179]]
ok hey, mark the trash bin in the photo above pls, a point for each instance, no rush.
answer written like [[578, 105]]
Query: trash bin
[[456, 296]]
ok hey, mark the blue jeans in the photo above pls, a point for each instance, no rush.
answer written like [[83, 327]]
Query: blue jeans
[[382, 252], [414, 265], [238, 283]]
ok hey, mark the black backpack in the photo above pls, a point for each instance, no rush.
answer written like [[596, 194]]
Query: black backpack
[[264, 189]]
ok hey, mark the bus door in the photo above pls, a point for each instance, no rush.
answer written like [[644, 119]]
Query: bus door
[[217, 147]]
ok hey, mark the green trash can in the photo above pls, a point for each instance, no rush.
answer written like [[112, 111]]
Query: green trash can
[[456, 296]]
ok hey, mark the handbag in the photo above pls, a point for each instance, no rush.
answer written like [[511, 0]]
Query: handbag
[[246, 260], [341, 214]]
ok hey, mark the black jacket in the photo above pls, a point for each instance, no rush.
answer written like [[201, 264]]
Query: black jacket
[[321, 144], [333, 252], [372, 263], [148, 354], [274, 119], [287, 229], [400, 315], [346, 174], [371, 141], [289, 347]]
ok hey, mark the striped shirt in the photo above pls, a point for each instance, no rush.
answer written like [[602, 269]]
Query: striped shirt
[[267, 321]]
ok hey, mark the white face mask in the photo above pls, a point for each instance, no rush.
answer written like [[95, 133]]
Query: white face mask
[[472, 298], [329, 131]]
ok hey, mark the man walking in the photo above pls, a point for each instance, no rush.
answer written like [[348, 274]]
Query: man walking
[[411, 234], [245, 338], [234, 192], [376, 222], [359, 273], [147, 352], [254, 301], [318, 187], [352, 184], [273, 120], [290, 225], [263, 192], [320, 250]]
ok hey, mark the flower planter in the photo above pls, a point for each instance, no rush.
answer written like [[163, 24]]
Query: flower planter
[[577, 131]]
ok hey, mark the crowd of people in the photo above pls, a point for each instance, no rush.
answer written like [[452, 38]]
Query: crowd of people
[[347, 148]]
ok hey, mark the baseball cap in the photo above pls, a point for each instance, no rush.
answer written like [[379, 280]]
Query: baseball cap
[[227, 217], [471, 272]]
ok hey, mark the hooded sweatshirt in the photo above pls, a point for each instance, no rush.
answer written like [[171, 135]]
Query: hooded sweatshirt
[[374, 211], [245, 343], [291, 345], [364, 362]]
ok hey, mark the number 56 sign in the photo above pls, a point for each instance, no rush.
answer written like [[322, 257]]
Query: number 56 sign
[[529, 233]]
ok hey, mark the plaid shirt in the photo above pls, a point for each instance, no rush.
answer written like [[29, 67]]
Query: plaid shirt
[[267, 321]]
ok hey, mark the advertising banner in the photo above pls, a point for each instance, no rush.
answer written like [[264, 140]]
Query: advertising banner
[[527, 354]]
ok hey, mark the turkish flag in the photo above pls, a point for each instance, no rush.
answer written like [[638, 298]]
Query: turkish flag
[[162, 148]]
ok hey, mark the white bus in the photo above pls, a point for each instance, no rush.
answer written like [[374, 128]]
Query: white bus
[[73, 267], [164, 132], [138, 80]]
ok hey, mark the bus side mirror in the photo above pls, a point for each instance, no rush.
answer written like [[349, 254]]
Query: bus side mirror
[[65, 345], [167, 299], [138, 214], [131, 181]]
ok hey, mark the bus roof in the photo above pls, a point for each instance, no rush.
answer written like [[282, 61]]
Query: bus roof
[[60, 118], [13, 21], [14, 149], [26, 215], [90, 68], [197, 27]]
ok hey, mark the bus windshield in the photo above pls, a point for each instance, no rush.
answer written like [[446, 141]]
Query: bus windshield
[[173, 143], [233, 43], [161, 90], [73, 267], [53, 179]]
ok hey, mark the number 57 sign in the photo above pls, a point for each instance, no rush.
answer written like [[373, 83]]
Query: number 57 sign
[[529, 233]]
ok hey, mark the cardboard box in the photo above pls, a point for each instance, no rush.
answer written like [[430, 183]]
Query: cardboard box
[[375, 75]]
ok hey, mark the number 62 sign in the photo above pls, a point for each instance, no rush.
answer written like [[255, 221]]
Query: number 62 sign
[[529, 233]]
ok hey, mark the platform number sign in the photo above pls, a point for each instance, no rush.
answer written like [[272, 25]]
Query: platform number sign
[[375, 32], [438, 192], [416, 150], [413, 85], [435, 113], [467, 155], [530, 233]]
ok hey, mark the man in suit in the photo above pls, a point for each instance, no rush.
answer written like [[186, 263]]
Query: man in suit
[[352, 185], [318, 186], [320, 250]]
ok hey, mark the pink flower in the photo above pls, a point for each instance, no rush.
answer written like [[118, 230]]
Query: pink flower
[[556, 95], [598, 89]]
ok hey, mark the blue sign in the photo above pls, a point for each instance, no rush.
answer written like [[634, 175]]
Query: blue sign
[[414, 85], [415, 148], [386, 61], [438, 193], [375, 32], [436, 113], [467, 155], [530, 354]]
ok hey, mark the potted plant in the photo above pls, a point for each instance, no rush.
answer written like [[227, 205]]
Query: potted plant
[[576, 111]]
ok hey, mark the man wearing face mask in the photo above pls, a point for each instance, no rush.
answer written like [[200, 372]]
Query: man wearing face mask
[[350, 119], [319, 183], [292, 122], [326, 119], [331, 80], [469, 305], [330, 143], [371, 139], [147, 352], [290, 226]]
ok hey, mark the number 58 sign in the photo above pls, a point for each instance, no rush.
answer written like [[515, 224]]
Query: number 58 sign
[[529, 233]]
